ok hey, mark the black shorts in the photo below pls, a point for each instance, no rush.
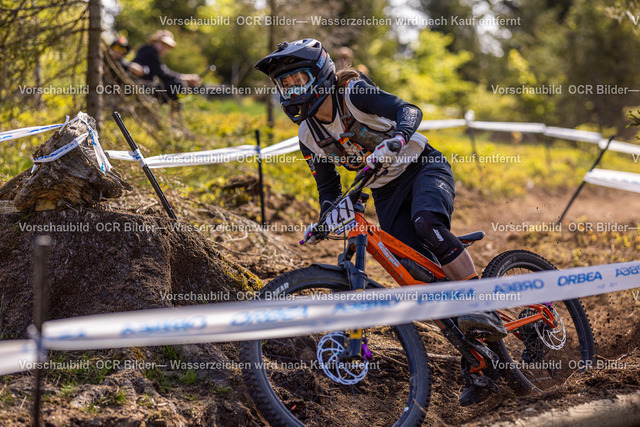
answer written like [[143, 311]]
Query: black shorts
[[426, 185]]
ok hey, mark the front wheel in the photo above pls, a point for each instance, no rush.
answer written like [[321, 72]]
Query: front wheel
[[543, 354], [303, 381]]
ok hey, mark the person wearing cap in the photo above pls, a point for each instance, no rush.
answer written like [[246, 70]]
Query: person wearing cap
[[148, 56], [119, 49]]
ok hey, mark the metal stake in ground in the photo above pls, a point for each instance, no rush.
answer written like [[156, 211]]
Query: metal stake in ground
[[138, 156], [40, 303], [583, 181], [260, 179], [469, 117]]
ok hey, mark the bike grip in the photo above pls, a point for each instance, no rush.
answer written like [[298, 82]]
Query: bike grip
[[394, 145], [308, 236]]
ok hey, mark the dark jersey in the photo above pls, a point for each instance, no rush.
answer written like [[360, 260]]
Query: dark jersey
[[373, 107]]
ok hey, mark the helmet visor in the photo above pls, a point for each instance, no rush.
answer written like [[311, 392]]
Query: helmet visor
[[294, 83]]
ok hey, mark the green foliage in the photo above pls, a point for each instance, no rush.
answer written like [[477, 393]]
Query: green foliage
[[68, 389], [575, 44], [84, 368], [429, 75], [162, 381], [188, 56], [233, 48], [221, 390], [489, 105], [6, 397], [525, 165], [171, 352], [42, 48], [146, 401], [189, 377]]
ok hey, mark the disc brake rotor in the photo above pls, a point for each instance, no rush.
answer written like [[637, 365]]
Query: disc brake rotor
[[538, 337], [553, 338], [330, 347]]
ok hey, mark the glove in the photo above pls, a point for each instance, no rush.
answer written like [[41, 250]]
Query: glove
[[308, 237], [386, 151]]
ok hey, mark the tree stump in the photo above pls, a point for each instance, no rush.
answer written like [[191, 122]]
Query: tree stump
[[75, 179]]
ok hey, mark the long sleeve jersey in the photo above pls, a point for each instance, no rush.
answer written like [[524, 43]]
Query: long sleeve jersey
[[380, 111]]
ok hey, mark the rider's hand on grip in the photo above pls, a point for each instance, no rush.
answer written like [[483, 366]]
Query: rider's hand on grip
[[386, 151], [309, 237]]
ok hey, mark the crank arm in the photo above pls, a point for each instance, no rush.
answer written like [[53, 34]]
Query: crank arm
[[473, 351]]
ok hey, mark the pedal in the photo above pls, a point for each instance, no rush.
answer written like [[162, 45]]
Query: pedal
[[484, 382]]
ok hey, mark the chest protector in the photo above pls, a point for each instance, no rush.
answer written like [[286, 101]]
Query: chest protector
[[355, 143]]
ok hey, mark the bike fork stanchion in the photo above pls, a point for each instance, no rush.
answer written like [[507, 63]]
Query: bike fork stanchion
[[575, 195], [357, 278]]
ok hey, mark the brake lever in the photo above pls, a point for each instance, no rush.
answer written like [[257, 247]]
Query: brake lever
[[367, 172], [314, 230]]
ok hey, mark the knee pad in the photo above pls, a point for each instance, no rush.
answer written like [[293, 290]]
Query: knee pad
[[431, 229]]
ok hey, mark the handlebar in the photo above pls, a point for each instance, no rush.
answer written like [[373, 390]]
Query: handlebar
[[362, 179]]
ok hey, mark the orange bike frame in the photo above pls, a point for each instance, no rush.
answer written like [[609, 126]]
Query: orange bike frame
[[385, 249]]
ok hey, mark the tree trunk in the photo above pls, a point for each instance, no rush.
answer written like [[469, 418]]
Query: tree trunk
[[94, 62]]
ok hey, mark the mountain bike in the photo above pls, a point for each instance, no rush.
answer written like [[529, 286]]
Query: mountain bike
[[381, 375]]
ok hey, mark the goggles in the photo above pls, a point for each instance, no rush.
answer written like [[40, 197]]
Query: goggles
[[294, 83]]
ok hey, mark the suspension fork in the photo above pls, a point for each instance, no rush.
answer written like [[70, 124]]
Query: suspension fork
[[357, 279]]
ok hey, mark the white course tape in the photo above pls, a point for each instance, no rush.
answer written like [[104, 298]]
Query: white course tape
[[441, 124], [508, 126], [33, 130], [56, 154], [285, 147], [101, 157], [120, 155], [614, 179], [225, 155], [222, 155], [621, 147], [573, 134], [17, 356], [137, 155], [288, 317], [209, 157]]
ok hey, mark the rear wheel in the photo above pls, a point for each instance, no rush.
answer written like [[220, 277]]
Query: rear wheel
[[544, 355], [302, 380]]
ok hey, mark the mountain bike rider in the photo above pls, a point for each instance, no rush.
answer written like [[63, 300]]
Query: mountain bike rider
[[345, 119]]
